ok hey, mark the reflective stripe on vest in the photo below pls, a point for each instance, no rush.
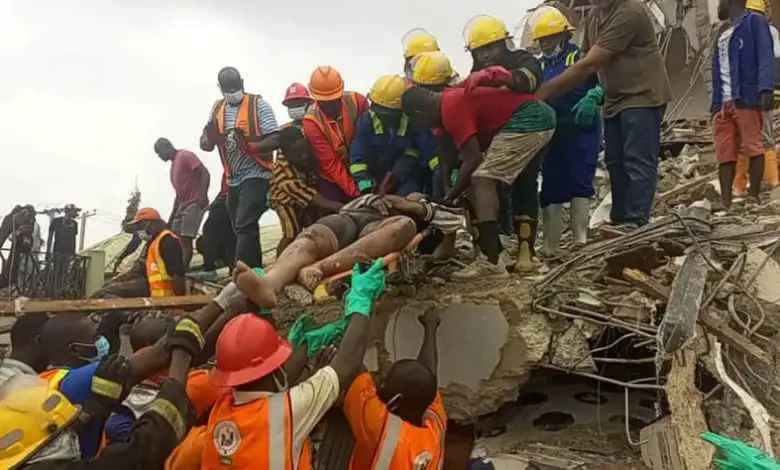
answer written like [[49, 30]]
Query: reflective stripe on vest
[[160, 282], [53, 377], [403, 127], [345, 126], [393, 434], [247, 121], [431, 415], [571, 57], [277, 432]]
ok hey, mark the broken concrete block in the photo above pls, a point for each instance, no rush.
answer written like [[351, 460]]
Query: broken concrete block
[[767, 280]]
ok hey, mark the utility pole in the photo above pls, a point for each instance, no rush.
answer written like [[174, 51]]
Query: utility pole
[[82, 229]]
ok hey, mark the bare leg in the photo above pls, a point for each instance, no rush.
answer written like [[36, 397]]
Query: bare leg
[[393, 234], [314, 243]]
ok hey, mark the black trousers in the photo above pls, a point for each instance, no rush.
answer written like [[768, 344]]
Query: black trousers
[[525, 190], [246, 204], [218, 240]]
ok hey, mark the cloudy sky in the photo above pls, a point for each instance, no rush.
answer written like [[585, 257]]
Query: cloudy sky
[[86, 90]]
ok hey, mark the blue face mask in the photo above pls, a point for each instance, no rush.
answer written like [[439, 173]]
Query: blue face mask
[[103, 348]]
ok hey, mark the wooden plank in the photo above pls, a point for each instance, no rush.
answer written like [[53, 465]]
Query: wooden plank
[[732, 338], [23, 305], [684, 188], [646, 284]]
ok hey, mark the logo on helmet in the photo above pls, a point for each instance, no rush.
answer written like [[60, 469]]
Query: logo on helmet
[[227, 439]]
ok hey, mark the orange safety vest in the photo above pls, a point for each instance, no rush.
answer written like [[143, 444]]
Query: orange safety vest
[[253, 436], [189, 454], [340, 132], [247, 121], [407, 447], [160, 282]]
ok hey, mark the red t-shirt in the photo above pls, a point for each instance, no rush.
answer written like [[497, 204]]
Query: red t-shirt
[[185, 180], [482, 112]]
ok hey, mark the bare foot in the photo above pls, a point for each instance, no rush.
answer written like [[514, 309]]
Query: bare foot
[[256, 288], [309, 277]]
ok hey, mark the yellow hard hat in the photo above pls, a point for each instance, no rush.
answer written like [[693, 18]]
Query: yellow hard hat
[[756, 5], [483, 30], [31, 416], [431, 68], [551, 22], [387, 91], [418, 40]]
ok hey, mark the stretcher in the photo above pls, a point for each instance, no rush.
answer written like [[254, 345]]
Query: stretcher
[[390, 261]]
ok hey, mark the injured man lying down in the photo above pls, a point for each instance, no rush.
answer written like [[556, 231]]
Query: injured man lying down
[[365, 229]]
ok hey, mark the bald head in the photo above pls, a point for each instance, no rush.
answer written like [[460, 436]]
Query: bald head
[[230, 80], [422, 105], [164, 149], [414, 382], [69, 340], [148, 331]]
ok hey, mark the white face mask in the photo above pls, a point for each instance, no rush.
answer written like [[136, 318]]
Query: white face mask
[[234, 97], [143, 235], [296, 114], [555, 52]]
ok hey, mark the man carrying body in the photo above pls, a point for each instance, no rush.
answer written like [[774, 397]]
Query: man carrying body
[[366, 228], [390, 154], [257, 416], [294, 194], [511, 129], [620, 45], [329, 127], [243, 127], [190, 180]]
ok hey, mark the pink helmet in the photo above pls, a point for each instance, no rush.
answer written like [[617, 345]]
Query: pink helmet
[[295, 91]]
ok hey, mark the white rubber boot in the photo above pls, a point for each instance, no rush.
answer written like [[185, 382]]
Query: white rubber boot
[[580, 218], [552, 229]]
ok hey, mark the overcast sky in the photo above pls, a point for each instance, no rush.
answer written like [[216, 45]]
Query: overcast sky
[[88, 86]]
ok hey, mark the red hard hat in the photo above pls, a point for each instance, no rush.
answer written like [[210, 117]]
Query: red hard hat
[[296, 90], [248, 349]]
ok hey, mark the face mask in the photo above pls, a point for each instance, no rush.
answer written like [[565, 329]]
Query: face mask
[[555, 52], [87, 352], [234, 97], [143, 235], [281, 385], [103, 347], [296, 114]]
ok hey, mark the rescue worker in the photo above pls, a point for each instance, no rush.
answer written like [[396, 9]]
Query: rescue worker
[[391, 155], [498, 132], [27, 355], [164, 258], [497, 64], [400, 424], [329, 127], [620, 45], [297, 100], [258, 422], [743, 80], [767, 128], [570, 163], [417, 41], [217, 244], [243, 127]]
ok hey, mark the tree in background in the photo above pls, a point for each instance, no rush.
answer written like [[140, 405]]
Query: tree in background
[[132, 206]]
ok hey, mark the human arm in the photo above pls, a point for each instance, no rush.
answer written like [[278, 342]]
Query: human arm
[[170, 250], [130, 248], [332, 207], [526, 72], [330, 163], [358, 166], [428, 355], [50, 238], [471, 154], [204, 177], [766, 61], [269, 129]]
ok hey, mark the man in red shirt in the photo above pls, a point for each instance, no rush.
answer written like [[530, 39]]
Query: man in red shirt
[[190, 180], [498, 132]]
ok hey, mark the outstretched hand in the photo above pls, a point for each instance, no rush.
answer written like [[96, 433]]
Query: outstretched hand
[[366, 287]]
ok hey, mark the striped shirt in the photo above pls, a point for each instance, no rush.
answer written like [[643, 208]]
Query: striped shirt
[[242, 166], [289, 186], [437, 216]]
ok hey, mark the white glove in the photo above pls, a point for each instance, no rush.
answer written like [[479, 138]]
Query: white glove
[[230, 297]]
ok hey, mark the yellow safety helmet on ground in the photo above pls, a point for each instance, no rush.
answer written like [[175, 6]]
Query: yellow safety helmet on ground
[[31, 416], [483, 30], [387, 91], [756, 5], [550, 23], [417, 41], [431, 68]]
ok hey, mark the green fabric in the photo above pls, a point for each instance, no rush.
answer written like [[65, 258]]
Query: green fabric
[[587, 108], [363, 185], [736, 455], [304, 331], [454, 176], [531, 116], [261, 310], [366, 287]]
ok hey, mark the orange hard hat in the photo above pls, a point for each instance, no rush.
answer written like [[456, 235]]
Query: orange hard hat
[[248, 349], [326, 83], [296, 91], [145, 214]]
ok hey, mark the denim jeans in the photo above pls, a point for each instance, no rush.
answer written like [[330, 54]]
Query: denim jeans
[[246, 204], [632, 139]]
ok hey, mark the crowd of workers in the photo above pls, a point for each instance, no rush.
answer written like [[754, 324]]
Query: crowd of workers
[[355, 178]]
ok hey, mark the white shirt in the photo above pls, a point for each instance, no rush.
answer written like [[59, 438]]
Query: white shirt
[[310, 400], [775, 40], [725, 66]]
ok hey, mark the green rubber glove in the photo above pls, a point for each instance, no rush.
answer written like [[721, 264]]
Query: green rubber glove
[[365, 185], [366, 287], [736, 455], [325, 335], [587, 107], [263, 310], [298, 330]]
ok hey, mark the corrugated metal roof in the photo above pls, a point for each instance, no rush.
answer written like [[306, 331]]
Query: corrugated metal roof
[[113, 246]]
